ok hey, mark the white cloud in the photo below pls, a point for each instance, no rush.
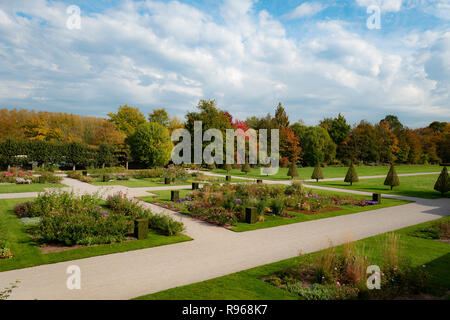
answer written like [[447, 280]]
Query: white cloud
[[306, 9], [155, 54], [385, 5]]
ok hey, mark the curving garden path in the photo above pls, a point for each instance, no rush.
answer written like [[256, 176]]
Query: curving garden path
[[214, 251]]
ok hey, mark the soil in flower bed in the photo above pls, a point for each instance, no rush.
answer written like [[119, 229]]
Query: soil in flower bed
[[324, 210]]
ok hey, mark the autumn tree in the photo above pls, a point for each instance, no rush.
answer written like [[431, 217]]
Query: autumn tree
[[289, 145], [108, 134], [159, 116], [127, 119]]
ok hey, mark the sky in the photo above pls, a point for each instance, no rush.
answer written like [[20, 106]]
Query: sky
[[318, 58]]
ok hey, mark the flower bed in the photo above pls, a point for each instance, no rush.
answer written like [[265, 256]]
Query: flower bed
[[18, 176], [225, 205], [69, 219], [342, 275]]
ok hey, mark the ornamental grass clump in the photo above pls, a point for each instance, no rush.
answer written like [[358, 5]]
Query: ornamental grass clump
[[340, 273]]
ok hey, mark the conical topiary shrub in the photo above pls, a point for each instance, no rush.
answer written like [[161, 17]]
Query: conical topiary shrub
[[293, 171], [228, 167], [392, 178], [246, 168], [317, 173], [443, 182], [351, 175]]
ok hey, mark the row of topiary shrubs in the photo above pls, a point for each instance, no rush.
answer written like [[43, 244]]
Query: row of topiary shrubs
[[71, 219]]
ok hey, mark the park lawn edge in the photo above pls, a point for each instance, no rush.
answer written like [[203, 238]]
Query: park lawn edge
[[280, 221], [21, 241], [242, 285], [33, 187]]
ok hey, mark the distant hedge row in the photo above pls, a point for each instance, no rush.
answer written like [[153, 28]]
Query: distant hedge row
[[23, 152]]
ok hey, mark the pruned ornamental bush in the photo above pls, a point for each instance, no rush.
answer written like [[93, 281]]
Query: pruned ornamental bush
[[317, 173], [246, 168], [80, 219], [392, 178], [351, 175], [293, 171], [443, 182]]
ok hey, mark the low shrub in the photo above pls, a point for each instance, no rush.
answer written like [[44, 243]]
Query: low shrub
[[24, 209], [132, 208], [49, 177], [79, 176]]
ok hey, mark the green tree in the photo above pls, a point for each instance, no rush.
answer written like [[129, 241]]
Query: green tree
[[281, 118], [317, 173], [392, 178], [127, 119], [316, 144], [228, 167], [150, 145], [211, 118], [293, 171], [105, 155], [351, 175], [337, 128], [443, 182], [160, 116], [78, 154]]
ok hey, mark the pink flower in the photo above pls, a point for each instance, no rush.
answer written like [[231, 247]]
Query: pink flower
[[338, 283]]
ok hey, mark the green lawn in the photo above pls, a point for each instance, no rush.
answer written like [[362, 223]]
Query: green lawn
[[274, 221], [413, 186], [334, 172], [247, 285], [34, 187], [138, 183], [152, 182], [27, 254]]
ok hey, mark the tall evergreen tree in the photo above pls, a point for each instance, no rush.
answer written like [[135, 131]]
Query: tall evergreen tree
[[392, 178], [351, 175], [281, 118], [443, 182], [317, 173]]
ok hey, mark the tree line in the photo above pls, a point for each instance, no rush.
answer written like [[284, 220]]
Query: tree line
[[129, 136]]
